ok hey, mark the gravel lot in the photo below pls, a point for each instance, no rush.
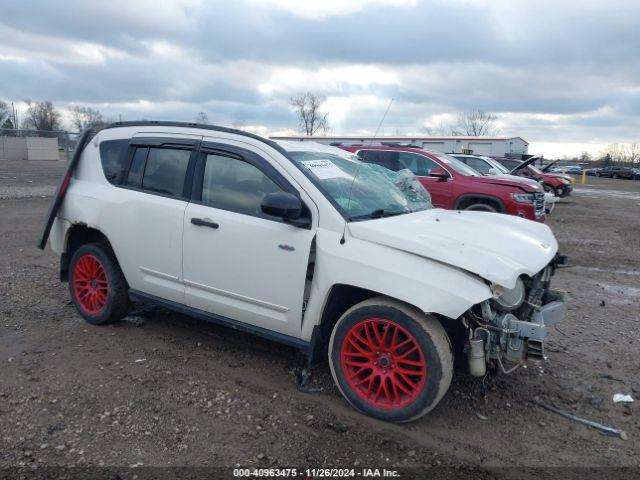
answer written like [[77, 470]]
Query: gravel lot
[[161, 389]]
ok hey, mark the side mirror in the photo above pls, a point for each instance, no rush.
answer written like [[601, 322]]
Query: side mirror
[[439, 173], [286, 206], [492, 171]]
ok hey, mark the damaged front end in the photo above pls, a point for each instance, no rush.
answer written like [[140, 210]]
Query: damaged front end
[[511, 327]]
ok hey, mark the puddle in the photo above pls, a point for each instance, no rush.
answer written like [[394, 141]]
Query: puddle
[[633, 273]]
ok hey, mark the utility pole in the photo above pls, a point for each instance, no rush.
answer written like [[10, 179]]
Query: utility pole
[[381, 122], [15, 115]]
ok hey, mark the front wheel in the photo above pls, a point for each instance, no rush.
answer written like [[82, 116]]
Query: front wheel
[[481, 207], [97, 286], [389, 360]]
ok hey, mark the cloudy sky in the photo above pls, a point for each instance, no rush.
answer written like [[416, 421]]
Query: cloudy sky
[[564, 75]]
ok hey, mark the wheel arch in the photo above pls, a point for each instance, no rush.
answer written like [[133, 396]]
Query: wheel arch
[[341, 298], [79, 234], [467, 199]]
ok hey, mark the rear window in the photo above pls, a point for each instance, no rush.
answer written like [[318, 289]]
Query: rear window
[[113, 156]]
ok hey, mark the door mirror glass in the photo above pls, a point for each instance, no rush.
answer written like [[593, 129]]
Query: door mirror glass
[[283, 205], [439, 173]]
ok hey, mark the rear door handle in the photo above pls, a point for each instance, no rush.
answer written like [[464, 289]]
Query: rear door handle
[[201, 222]]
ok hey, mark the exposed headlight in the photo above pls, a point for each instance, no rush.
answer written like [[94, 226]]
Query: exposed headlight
[[508, 298], [523, 197]]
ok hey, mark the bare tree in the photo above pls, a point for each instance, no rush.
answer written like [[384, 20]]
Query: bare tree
[[41, 116], [5, 112], [475, 123], [615, 152], [86, 117], [310, 118], [585, 157], [439, 130], [202, 118], [632, 153]]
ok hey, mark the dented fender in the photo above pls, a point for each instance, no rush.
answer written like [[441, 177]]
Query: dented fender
[[431, 286]]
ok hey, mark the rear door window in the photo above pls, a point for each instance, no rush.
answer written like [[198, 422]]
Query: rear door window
[[385, 158], [165, 171], [159, 170]]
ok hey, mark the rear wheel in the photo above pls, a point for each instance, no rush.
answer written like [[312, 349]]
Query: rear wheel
[[389, 360], [615, 175], [97, 286]]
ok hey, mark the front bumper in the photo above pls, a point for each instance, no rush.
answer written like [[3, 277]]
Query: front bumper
[[564, 191], [525, 340]]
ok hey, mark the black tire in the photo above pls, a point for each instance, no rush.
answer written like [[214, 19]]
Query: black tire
[[615, 175], [113, 302], [481, 207], [598, 174], [429, 342]]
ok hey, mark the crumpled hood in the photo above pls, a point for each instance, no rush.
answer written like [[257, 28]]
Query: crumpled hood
[[494, 246], [509, 181], [515, 178]]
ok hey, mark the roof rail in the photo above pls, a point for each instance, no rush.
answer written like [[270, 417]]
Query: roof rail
[[215, 128]]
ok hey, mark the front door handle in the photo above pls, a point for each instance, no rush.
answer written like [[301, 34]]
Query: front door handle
[[201, 222]]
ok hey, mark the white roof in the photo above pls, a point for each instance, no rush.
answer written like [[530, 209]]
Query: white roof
[[312, 147]]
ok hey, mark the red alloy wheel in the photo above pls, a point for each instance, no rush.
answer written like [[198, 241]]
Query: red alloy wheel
[[90, 284], [383, 363]]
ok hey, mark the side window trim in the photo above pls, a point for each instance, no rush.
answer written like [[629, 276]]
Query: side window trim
[[144, 166]]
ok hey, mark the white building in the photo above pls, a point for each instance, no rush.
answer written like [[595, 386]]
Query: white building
[[28, 148], [491, 146]]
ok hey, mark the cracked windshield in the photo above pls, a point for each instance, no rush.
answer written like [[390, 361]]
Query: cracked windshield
[[365, 191]]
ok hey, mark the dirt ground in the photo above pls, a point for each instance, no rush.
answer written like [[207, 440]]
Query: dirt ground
[[161, 389]]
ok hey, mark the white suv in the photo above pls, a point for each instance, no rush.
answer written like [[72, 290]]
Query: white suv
[[307, 246]]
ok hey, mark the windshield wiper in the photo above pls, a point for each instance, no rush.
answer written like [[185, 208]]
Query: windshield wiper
[[380, 213]]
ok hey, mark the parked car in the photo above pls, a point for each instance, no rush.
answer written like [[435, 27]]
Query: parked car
[[311, 249], [555, 184], [636, 173], [454, 185], [570, 169], [592, 171], [548, 170], [616, 172], [492, 168]]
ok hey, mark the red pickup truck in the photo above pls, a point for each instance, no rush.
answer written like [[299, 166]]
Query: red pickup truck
[[456, 186]]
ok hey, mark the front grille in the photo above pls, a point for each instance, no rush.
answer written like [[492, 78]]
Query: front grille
[[538, 199]]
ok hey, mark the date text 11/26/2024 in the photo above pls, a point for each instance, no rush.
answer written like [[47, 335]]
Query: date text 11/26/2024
[[315, 472]]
